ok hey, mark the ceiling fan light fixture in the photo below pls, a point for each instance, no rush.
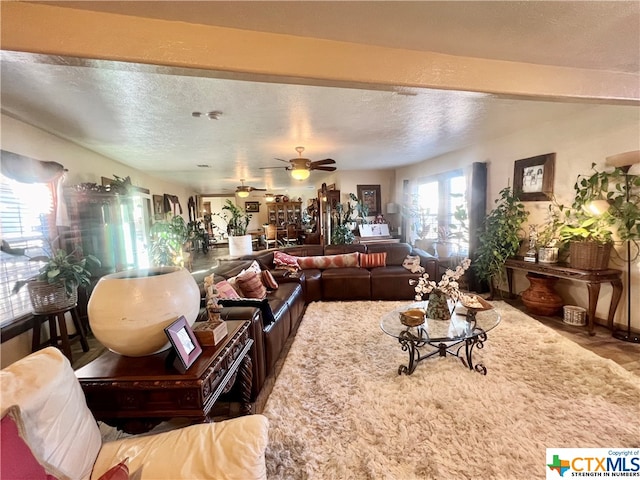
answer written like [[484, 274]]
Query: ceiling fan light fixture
[[300, 173], [242, 193], [269, 197]]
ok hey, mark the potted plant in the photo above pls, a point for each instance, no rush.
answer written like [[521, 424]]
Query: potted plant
[[500, 238], [237, 224], [548, 235], [342, 232], [56, 285], [168, 238], [604, 202]]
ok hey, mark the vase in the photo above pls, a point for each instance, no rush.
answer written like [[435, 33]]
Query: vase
[[128, 311], [541, 298], [438, 307]]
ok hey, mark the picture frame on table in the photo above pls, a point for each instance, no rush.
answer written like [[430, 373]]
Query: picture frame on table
[[184, 342], [251, 207], [370, 196], [533, 177]]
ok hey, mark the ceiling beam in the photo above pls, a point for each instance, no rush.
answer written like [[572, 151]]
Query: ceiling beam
[[53, 30]]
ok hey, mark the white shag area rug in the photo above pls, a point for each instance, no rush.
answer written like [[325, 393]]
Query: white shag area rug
[[339, 409]]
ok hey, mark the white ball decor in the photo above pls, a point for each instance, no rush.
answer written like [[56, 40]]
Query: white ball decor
[[129, 310]]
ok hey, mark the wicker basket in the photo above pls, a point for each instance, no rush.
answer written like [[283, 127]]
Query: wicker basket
[[589, 255], [50, 297], [575, 315]]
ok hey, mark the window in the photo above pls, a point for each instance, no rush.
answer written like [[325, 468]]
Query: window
[[25, 217], [439, 197]]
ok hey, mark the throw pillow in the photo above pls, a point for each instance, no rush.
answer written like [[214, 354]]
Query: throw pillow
[[412, 263], [254, 267], [371, 260], [250, 284], [284, 261], [225, 290], [17, 459], [117, 472], [268, 281], [329, 261]]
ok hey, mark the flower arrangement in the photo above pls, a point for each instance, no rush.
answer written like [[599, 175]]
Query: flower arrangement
[[448, 285]]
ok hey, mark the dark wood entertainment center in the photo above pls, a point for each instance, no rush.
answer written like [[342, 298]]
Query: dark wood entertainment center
[[136, 393]]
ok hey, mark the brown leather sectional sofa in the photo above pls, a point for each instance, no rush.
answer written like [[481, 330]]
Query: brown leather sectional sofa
[[278, 316]]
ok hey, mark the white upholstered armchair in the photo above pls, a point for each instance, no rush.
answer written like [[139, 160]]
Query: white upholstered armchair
[[46, 402]]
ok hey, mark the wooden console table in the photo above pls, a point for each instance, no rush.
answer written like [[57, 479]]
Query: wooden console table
[[593, 279], [136, 393]]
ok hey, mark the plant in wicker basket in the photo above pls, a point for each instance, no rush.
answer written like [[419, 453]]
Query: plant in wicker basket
[[56, 285]]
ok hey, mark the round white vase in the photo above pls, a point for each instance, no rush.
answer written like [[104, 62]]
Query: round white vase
[[128, 311], [240, 245]]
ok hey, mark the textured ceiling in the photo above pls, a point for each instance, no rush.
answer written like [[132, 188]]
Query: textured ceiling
[[142, 117]]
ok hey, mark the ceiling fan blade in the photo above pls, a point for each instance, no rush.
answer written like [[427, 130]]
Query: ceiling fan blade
[[326, 169], [282, 160], [326, 161], [253, 189], [268, 168]]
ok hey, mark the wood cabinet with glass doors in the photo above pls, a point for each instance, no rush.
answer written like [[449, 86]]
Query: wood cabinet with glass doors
[[284, 213]]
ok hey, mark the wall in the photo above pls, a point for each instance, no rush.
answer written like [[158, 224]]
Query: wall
[[599, 131], [84, 166]]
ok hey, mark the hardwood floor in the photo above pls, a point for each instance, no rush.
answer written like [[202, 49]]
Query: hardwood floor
[[623, 353]]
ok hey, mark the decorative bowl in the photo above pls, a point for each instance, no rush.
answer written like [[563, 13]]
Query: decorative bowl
[[412, 318], [475, 302]]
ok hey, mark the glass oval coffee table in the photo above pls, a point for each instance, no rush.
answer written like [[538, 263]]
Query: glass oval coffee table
[[458, 336]]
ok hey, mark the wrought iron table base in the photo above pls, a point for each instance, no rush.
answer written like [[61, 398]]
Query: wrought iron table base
[[463, 349]]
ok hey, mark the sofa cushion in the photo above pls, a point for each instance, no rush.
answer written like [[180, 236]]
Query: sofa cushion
[[226, 290], [234, 449], [17, 461], [58, 426], [323, 262], [261, 303], [396, 252], [117, 472], [251, 286], [371, 260]]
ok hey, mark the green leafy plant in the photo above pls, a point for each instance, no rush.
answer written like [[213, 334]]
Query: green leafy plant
[[499, 237], [71, 269], [341, 232], [167, 241], [361, 209], [610, 189], [237, 220]]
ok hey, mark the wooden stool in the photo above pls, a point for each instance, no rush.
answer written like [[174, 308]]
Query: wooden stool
[[63, 338]]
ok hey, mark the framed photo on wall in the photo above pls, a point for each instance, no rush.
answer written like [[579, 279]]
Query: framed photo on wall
[[158, 206], [251, 207], [370, 196], [533, 177], [184, 342]]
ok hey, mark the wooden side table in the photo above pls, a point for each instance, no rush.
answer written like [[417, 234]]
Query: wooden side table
[[593, 279], [62, 340], [136, 393]]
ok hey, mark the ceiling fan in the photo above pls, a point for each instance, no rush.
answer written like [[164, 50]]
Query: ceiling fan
[[243, 190], [301, 167]]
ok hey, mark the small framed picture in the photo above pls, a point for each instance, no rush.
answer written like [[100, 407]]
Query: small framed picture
[[184, 342], [251, 207], [533, 177]]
